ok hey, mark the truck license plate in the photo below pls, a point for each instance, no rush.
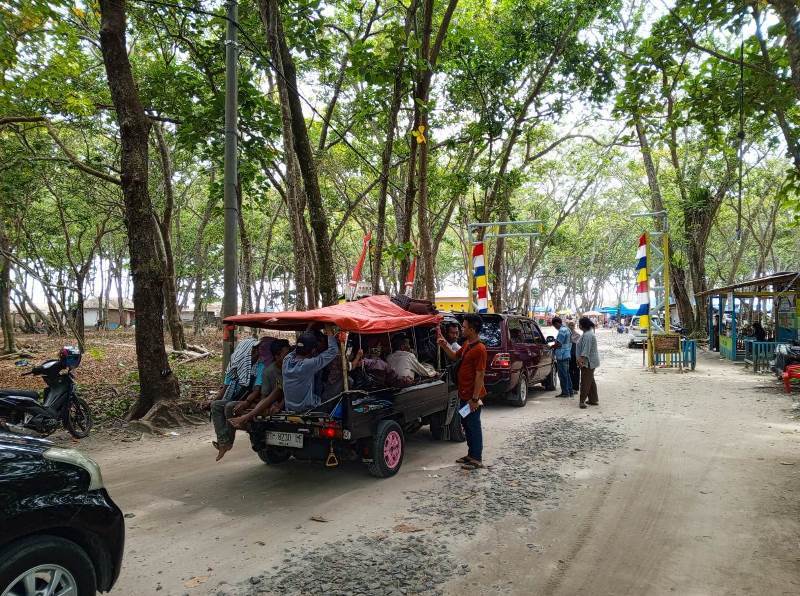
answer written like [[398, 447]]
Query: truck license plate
[[285, 439]]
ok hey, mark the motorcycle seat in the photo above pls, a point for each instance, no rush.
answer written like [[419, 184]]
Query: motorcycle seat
[[19, 393]]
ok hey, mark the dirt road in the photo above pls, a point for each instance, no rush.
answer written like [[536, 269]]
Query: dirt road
[[684, 484]]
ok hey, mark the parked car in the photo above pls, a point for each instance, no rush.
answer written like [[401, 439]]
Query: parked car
[[639, 334], [60, 532], [519, 357]]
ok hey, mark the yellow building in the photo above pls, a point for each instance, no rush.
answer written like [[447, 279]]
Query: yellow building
[[455, 301]]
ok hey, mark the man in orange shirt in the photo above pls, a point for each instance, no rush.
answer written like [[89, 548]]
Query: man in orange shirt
[[469, 379]]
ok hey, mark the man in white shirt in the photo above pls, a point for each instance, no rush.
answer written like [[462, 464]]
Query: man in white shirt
[[404, 363]]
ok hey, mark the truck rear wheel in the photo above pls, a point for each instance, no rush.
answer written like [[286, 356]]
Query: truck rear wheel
[[274, 455], [456, 430], [388, 449]]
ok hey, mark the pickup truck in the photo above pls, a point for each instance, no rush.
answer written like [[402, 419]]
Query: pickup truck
[[369, 424]]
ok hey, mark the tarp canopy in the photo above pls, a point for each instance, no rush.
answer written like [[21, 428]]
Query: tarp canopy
[[374, 314], [625, 311]]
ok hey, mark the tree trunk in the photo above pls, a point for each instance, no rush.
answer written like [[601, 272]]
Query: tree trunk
[[788, 133], [790, 15], [677, 274], [6, 317], [386, 157], [421, 110], [174, 322], [118, 280], [156, 381], [246, 265], [200, 250], [79, 326], [107, 293], [270, 12], [295, 199]]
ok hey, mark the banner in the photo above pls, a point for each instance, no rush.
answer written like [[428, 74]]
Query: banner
[[479, 275], [642, 283]]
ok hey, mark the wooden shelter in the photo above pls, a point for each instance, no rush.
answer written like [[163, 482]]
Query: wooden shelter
[[725, 332]]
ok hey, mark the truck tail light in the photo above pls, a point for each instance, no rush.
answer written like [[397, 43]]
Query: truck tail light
[[330, 432], [502, 360]]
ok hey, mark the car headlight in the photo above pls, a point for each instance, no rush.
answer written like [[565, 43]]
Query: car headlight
[[76, 458]]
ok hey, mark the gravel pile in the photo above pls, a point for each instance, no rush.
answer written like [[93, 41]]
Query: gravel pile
[[524, 478], [526, 474], [386, 565]]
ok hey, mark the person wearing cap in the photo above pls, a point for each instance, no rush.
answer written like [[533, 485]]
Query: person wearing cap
[[301, 366]]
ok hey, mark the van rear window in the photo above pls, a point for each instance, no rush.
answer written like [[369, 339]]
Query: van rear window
[[491, 334]]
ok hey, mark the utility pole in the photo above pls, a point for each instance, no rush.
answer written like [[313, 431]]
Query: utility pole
[[230, 300]]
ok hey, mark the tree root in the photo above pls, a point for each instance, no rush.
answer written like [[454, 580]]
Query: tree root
[[166, 415]]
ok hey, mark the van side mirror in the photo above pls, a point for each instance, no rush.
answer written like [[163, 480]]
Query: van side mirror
[[550, 339]]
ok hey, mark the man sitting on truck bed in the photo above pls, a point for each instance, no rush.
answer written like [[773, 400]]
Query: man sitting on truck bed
[[404, 362], [300, 367], [271, 398]]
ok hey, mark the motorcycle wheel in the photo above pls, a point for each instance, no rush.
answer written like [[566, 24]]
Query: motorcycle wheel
[[78, 418]]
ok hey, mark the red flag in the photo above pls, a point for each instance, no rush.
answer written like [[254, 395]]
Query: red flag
[[412, 273], [360, 265]]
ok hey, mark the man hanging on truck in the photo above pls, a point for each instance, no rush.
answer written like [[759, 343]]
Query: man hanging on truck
[[469, 379], [271, 397], [301, 366]]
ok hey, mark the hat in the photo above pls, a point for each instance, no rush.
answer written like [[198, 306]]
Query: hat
[[277, 345], [306, 343]]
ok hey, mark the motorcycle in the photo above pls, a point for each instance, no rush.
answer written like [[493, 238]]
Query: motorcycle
[[26, 412]]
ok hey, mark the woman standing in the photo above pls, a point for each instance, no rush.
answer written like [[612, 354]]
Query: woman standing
[[574, 370], [588, 360]]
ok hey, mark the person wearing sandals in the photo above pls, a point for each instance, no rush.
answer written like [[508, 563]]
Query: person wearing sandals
[[469, 380], [588, 360]]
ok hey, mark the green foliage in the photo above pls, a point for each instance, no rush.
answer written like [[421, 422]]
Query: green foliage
[[518, 87]]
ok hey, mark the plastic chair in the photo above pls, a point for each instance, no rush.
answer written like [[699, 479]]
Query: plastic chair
[[792, 372]]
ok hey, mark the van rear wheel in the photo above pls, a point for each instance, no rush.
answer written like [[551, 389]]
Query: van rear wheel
[[550, 382], [519, 395]]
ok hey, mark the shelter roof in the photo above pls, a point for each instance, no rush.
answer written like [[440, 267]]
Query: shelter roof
[[113, 303], [373, 314], [782, 281]]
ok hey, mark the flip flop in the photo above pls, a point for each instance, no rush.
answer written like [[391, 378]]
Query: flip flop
[[472, 464]]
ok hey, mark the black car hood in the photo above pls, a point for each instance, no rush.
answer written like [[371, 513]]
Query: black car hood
[[8, 439]]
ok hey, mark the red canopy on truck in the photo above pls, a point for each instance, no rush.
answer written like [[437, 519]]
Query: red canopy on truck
[[374, 314]]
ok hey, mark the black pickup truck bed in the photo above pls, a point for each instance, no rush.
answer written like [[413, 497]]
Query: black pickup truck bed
[[370, 426]]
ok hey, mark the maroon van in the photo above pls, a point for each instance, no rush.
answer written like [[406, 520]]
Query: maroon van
[[519, 357]]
